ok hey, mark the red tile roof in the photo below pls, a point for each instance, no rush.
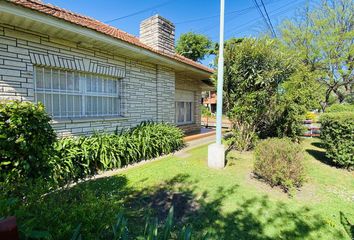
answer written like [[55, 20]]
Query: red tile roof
[[100, 27]]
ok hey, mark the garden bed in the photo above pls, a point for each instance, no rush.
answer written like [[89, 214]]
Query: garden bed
[[229, 203]]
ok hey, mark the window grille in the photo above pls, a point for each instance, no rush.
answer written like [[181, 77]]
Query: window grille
[[67, 94]]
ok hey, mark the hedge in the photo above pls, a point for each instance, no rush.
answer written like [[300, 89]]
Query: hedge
[[340, 108], [337, 135], [26, 140], [29, 149]]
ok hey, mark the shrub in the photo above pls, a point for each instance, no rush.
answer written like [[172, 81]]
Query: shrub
[[337, 135], [205, 111], [26, 140], [79, 157], [279, 162], [340, 108], [311, 116]]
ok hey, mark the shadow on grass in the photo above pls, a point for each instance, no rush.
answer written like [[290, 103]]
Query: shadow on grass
[[320, 154], [348, 226], [96, 203]]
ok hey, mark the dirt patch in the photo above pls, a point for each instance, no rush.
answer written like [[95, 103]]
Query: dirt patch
[[308, 192], [264, 187], [182, 154]]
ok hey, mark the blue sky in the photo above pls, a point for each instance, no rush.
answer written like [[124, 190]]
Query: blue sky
[[241, 19]]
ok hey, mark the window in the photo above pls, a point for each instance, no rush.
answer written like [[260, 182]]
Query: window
[[184, 106], [184, 112], [66, 93]]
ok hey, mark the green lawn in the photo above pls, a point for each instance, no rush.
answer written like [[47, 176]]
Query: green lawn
[[228, 203]]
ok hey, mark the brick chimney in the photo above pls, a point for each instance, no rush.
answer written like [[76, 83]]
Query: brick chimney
[[158, 33]]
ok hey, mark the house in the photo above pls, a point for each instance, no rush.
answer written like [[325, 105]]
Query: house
[[91, 76], [209, 101]]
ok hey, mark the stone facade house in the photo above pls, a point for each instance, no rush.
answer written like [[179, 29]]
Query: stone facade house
[[91, 76]]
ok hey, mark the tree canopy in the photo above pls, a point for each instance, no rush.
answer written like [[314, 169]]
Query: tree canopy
[[323, 37], [194, 46]]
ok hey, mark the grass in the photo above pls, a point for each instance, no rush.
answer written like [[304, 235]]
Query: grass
[[227, 203]]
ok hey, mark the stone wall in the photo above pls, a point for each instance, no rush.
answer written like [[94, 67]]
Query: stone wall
[[148, 90], [158, 33]]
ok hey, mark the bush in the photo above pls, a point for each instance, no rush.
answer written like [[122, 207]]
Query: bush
[[26, 140], [79, 157], [337, 135], [279, 162], [311, 116], [340, 108]]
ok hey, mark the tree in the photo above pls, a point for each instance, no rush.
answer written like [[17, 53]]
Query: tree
[[194, 46], [323, 37], [254, 70]]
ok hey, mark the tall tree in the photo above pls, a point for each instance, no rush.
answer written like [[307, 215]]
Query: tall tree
[[194, 46], [324, 39], [254, 70]]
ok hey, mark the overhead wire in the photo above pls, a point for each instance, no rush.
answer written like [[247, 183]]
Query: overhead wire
[[246, 25], [140, 11], [244, 11], [262, 15], [270, 22]]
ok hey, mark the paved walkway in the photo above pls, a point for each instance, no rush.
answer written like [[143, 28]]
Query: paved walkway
[[198, 142]]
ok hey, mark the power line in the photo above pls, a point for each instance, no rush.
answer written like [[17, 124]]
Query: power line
[[262, 15], [274, 14], [241, 12], [270, 22], [214, 16], [139, 12]]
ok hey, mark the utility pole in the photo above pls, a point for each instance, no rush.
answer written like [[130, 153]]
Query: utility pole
[[216, 151]]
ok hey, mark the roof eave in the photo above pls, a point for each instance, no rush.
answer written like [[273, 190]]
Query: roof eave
[[36, 16]]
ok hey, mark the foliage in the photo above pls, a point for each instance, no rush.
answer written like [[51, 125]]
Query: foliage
[[205, 111], [26, 139], [337, 135], [79, 157], [251, 211], [254, 70], [194, 46], [323, 38], [340, 108], [310, 116], [279, 162], [152, 230]]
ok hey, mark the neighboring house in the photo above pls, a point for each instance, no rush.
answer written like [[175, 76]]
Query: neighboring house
[[91, 76], [209, 101]]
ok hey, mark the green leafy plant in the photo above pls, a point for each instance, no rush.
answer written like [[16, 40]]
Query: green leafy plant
[[26, 140], [80, 157], [340, 108], [280, 163], [152, 231], [337, 135]]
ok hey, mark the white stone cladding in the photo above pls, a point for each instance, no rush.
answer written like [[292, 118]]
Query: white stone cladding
[[148, 89], [158, 33]]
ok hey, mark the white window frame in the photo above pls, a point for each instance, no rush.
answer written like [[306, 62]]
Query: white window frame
[[185, 121], [81, 92]]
